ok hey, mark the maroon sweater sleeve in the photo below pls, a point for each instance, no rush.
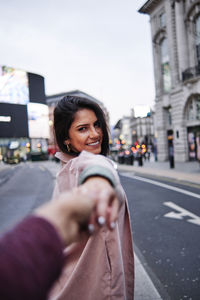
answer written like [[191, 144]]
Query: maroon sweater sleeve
[[31, 259]]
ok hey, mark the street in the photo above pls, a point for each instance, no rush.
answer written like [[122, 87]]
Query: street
[[166, 225], [165, 219], [23, 188]]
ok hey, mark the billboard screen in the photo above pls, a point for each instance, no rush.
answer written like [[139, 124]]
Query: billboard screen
[[14, 86], [36, 88], [38, 120], [13, 120]]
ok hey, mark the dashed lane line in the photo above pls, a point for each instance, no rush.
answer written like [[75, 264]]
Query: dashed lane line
[[166, 186]]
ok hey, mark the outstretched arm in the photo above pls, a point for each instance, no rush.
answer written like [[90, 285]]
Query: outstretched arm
[[31, 254]]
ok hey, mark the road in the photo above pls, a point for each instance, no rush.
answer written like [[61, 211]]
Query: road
[[164, 216], [166, 229], [23, 188]]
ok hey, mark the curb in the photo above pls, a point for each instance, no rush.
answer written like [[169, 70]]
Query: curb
[[179, 177]]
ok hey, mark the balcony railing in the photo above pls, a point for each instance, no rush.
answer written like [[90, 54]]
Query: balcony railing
[[191, 73]]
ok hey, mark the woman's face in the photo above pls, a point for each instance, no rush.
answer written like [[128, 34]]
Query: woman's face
[[85, 132]]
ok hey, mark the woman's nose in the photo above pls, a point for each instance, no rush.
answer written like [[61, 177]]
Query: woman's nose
[[93, 133]]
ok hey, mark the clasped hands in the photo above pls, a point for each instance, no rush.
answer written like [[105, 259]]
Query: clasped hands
[[83, 210]]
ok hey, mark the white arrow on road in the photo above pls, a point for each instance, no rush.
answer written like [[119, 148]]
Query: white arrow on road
[[181, 213]]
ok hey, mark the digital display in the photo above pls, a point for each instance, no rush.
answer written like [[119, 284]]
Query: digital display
[[14, 86], [38, 120], [13, 120]]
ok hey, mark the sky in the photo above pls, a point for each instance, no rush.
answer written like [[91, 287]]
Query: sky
[[101, 47]]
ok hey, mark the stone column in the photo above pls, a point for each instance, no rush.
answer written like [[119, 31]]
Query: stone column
[[162, 146], [182, 48], [171, 36], [156, 60]]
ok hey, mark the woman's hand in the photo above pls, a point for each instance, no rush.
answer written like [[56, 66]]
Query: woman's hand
[[107, 204], [70, 213], [90, 206]]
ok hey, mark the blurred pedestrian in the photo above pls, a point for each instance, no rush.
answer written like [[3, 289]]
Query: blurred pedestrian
[[171, 156], [139, 157], [102, 266]]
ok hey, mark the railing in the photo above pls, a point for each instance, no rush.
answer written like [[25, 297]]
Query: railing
[[191, 73]]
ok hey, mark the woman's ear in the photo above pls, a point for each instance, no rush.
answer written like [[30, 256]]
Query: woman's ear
[[66, 142]]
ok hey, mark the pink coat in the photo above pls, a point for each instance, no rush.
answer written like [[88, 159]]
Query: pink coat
[[102, 267]]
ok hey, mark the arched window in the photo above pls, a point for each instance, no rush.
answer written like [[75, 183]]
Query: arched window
[[165, 66], [193, 108], [197, 38]]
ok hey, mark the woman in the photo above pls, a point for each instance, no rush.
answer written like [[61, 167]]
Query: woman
[[101, 267]]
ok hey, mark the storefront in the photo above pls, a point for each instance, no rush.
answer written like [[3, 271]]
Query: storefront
[[193, 135]]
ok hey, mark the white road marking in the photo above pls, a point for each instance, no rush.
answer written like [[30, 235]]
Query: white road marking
[[143, 283], [42, 168], [166, 186], [181, 213]]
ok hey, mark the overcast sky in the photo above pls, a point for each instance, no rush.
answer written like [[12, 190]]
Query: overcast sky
[[101, 47]]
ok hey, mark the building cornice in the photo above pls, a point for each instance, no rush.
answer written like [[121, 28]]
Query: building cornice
[[149, 6]]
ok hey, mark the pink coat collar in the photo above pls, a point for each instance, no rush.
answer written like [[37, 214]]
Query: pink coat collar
[[63, 156]]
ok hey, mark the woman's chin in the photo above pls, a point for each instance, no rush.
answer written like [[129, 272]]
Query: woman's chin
[[94, 151]]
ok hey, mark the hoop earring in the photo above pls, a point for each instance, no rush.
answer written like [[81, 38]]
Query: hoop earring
[[68, 148]]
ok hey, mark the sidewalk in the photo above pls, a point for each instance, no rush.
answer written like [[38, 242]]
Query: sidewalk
[[183, 171]]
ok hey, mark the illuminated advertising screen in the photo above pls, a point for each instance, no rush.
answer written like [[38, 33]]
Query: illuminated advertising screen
[[13, 120], [13, 86], [38, 120]]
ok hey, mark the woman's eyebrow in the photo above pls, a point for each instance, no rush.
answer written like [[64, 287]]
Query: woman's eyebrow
[[81, 125], [85, 124]]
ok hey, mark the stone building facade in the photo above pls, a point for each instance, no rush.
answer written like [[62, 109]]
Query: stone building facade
[[133, 129], [175, 30], [142, 129]]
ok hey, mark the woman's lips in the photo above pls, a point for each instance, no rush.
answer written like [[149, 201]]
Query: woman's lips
[[94, 143]]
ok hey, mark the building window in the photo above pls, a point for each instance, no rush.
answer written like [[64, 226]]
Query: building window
[[198, 108], [197, 38], [162, 20], [165, 66], [193, 109], [170, 116], [190, 113]]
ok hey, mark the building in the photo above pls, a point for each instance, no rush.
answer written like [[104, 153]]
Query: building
[[131, 129], [175, 30], [24, 128], [142, 129]]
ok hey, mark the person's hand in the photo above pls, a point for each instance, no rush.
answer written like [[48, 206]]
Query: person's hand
[[70, 213], [107, 204]]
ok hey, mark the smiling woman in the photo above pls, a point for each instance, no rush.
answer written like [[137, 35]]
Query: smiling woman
[[83, 118], [85, 132], [102, 266]]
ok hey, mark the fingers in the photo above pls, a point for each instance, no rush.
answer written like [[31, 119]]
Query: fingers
[[107, 208], [92, 224], [104, 212], [87, 210], [103, 200], [113, 213], [96, 206]]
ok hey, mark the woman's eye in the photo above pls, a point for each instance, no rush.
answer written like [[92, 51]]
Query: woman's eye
[[96, 124], [82, 129]]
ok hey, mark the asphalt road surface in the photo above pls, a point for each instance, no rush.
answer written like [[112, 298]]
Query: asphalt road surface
[[165, 220], [23, 188], [166, 232]]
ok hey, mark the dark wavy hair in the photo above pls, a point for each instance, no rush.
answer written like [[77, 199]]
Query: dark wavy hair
[[64, 114]]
